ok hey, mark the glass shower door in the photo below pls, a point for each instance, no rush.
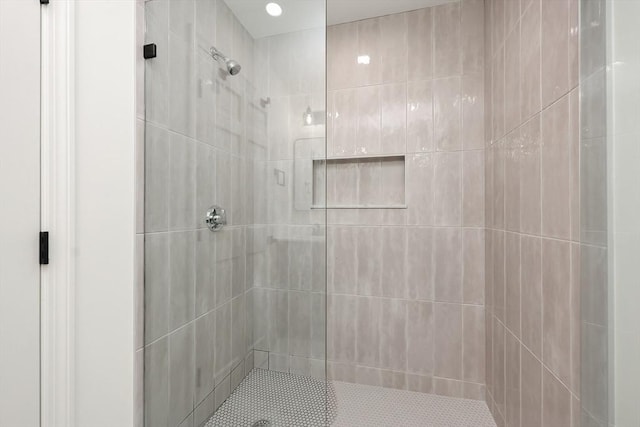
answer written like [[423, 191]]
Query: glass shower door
[[234, 216]]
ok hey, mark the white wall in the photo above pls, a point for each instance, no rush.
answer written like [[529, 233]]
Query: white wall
[[624, 140], [20, 212], [105, 212]]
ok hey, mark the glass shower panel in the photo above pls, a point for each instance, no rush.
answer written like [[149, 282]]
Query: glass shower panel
[[290, 284], [235, 225]]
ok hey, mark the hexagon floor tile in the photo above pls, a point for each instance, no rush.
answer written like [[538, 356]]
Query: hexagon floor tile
[[275, 399]]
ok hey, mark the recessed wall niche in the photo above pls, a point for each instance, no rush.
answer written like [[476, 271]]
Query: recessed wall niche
[[375, 182], [362, 182]]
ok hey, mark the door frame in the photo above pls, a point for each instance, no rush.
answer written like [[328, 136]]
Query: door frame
[[58, 208], [88, 206]]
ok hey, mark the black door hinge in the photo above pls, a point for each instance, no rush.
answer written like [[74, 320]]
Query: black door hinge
[[44, 1], [44, 247], [149, 51]]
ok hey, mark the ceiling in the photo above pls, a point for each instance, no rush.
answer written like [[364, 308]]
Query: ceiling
[[306, 14], [341, 11], [296, 15]]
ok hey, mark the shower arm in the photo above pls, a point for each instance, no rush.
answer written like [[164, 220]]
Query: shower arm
[[216, 54], [233, 67]]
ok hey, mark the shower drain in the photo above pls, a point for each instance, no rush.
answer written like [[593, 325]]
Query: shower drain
[[262, 423]]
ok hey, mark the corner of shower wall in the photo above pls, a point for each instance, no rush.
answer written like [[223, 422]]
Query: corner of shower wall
[[488, 202], [138, 370], [533, 212]]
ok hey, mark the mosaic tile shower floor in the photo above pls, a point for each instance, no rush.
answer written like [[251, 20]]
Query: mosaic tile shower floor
[[364, 406], [275, 399], [281, 399]]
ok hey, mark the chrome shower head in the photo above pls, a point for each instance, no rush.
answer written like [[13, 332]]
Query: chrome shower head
[[233, 67]]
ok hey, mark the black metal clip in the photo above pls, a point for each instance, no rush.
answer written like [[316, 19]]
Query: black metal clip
[[149, 51], [44, 247]]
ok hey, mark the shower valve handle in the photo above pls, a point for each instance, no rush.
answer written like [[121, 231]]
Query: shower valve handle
[[216, 218]]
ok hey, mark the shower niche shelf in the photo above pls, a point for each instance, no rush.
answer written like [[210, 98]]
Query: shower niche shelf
[[359, 182]]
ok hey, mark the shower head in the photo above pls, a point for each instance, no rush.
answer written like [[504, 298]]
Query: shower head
[[233, 67]]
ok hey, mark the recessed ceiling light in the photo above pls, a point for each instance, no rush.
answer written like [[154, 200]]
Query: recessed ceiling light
[[274, 9]]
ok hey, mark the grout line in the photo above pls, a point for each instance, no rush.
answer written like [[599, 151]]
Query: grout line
[[541, 143], [544, 366], [464, 304]]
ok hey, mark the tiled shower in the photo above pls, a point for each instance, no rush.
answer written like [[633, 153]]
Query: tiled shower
[[406, 217], [406, 282], [533, 214]]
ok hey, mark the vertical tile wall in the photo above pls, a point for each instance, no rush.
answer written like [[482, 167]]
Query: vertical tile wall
[[406, 286], [202, 144], [532, 212]]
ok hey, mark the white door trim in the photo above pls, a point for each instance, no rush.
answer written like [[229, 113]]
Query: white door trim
[[88, 199], [58, 208]]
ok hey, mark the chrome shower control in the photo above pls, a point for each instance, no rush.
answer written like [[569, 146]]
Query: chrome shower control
[[216, 218]]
